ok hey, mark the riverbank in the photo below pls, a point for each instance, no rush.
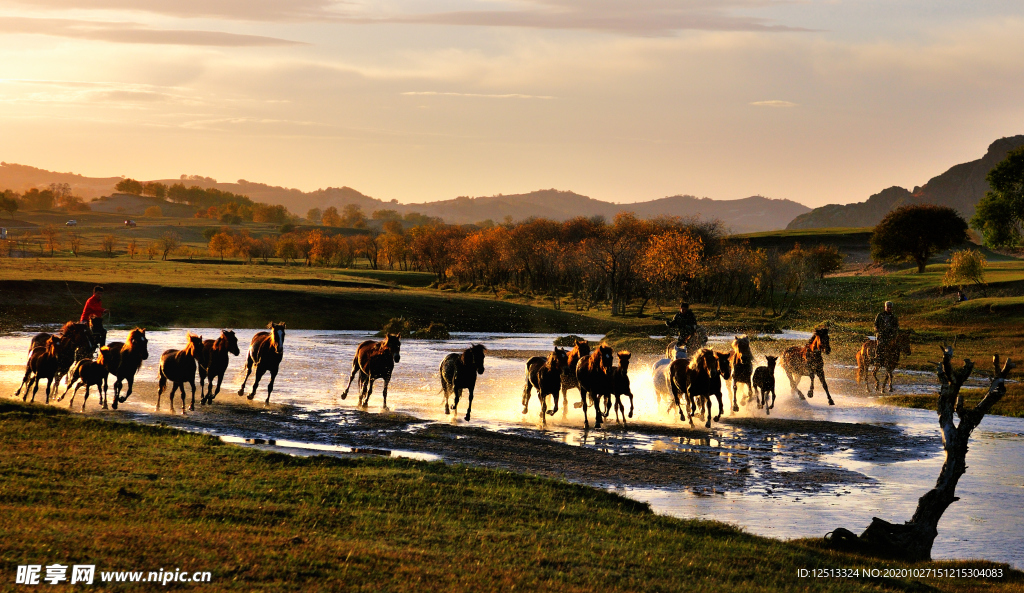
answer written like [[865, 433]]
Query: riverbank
[[130, 497]]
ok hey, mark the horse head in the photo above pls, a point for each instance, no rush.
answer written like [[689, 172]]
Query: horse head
[[771, 362], [277, 337], [705, 362], [473, 357], [741, 350], [195, 344], [624, 359], [393, 344], [605, 356], [821, 337], [558, 359], [229, 337], [77, 334], [724, 365], [138, 342], [675, 351], [53, 346], [97, 331]]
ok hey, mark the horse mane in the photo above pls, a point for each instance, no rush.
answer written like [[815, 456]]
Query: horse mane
[[137, 332], [699, 361], [190, 348], [552, 361], [464, 357], [69, 326], [51, 346]]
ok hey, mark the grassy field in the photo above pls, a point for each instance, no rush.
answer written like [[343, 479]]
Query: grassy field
[[129, 497]]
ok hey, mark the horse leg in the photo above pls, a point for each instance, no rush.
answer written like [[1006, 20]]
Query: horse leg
[[86, 396], [630, 404], [824, 385], [527, 392], [773, 400], [721, 408], [793, 384], [220, 378], [352, 375], [131, 383], [170, 396], [256, 381], [458, 396], [544, 406], [248, 369], [384, 393], [597, 409], [192, 404], [270, 386], [565, 402], [583, 399], [160, 389], [469, 409], [73, 395], [735, 406], [202, 385]]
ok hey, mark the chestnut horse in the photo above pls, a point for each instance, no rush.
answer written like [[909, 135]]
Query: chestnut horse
[[458, 372], [76, 344], [546, 377], [43, 362], [374, 360], [697, 380], [123, 360], [742, 360], [568, 381], [179, 367], [265, 353], [213, 362], [882, 358], [86, 372], [594, 375], [807, 361]]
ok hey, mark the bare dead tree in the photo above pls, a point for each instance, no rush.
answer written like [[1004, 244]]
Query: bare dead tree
[[912, 541]]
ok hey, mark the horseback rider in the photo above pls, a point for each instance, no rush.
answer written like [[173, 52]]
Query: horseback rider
[[93, 305], [684, 322], [886, 328]]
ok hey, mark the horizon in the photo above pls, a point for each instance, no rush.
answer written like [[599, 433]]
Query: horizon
[[816, 102]]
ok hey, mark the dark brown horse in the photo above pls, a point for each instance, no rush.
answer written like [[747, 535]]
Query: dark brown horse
[[701, 378], [43, 362], [742, 361], [123, 360], [179, 367], [97, 332], [887, 358], [86, 372], [679, 382], [724, 372], [764, 382], [458, 372], [568, 381], [76, 344], [374, 360], [594, 375], [807, 361], [546, 377], [620, 386], [213, 362], [265, 353]]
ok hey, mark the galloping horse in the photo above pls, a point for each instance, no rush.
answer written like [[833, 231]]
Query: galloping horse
[[620, 386], [594, 375], [374, 360], [568, 381], [458, 372], [697, 380], [807, 361], [42, 364], [213, 362], [123, 360], [885, 358], [265, 353], [546, 377], [660, 372], [76, 344], [179, 367], [764, 381], [86, 372], [742, 360], [724, 372]]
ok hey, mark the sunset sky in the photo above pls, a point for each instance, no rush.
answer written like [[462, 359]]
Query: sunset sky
[[815, 101]]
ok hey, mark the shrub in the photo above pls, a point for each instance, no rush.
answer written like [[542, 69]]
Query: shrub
[[154, 212], [965, 266]]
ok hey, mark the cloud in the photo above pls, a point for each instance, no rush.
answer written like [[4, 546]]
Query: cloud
[[125, 32], [478, 95], [75, 91], [774, 104], [255, 10]]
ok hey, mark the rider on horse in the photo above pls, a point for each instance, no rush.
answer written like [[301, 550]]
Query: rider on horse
[[93, 305], [886, 328], [684, 323]]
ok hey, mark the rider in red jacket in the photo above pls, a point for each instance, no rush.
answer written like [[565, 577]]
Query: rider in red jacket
[[94, 305]]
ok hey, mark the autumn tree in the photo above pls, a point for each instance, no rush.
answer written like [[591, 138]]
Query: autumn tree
[[9, 202], [168, 243], [132, 248], [369, 247], [75, 242], [220, 243], [51, 237], [129, 186], [331, 217], [916, 233], [352, 216], [314, 215], [966, 266], [34, 199], [824, 259], [155, 189], [109, 244], [670, 262]]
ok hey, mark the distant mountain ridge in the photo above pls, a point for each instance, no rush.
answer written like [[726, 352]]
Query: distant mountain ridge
[[961, 187], [746, 215]]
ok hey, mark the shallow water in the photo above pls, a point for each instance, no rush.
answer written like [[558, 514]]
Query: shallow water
[[984, 524]]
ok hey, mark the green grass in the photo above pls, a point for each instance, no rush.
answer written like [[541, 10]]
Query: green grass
[[124, 496], [1012, 404]]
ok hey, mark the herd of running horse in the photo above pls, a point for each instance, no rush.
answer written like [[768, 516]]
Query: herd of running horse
[[684, 382]]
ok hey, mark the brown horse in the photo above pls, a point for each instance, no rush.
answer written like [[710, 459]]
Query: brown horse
[[724, 372], [213, 362], [702, 377], [458, 372], [179, 367], [546, 377], [882, 358], [742, 361], [580, 350], [86, 372], [594, 375], [97, 332], [123, 360], [764, 381], [620, 386], [43, 362], [807, 361], [679, 382], [265, 353], [76, 344], [374, 360]]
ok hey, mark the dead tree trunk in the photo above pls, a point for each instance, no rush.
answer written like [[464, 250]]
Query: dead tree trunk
[[912, 541]]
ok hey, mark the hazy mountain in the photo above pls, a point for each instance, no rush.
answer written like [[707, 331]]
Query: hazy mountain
[[746, 215], [961, 187]]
